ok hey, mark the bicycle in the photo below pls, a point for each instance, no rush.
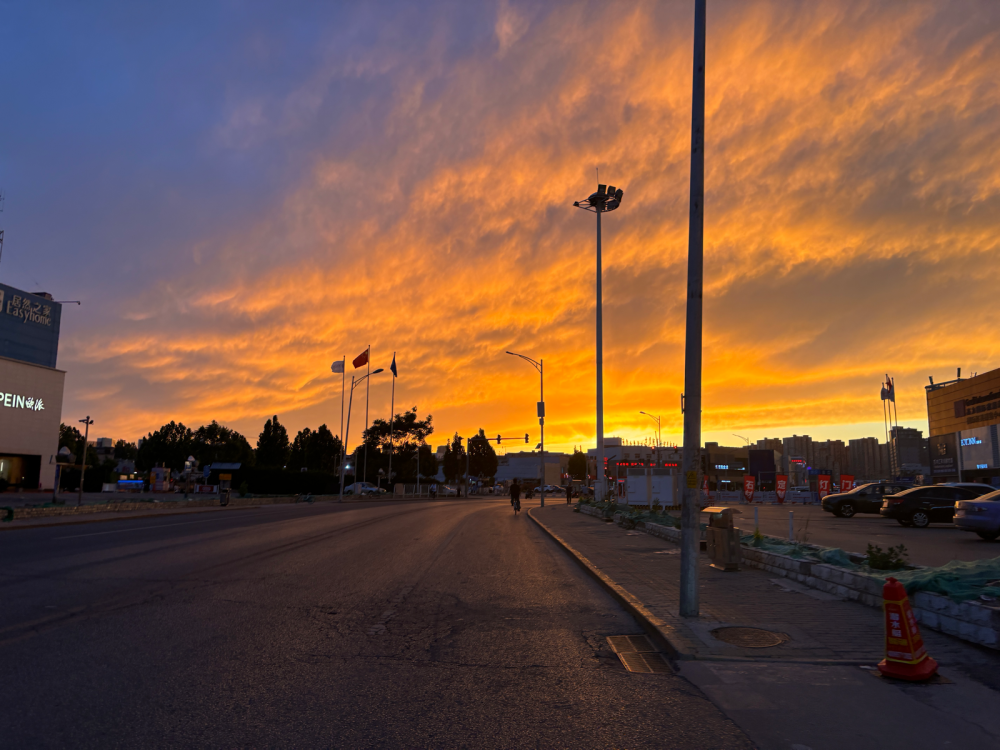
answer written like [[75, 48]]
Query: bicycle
[[517, 505]]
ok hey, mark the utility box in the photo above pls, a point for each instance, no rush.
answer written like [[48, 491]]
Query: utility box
[[723, 541]]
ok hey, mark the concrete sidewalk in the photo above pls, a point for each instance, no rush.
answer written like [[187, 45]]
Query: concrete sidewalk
[[815, 690]]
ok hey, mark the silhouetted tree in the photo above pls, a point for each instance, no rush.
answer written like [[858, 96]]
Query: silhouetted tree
[[578, 465], [214, 443], [454, 459], [272, 444], [482, 457], [170, 446]]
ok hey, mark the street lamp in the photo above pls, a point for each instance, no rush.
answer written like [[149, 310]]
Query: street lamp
[[746, 440], [343, 448], [86, 422], [541, 411], [655, 418], [607, 198]]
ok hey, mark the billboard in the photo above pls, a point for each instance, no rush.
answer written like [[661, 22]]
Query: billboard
[[964, 404], [944, 454], [29, 327]]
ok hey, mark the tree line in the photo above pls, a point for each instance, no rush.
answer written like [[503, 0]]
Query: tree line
[[312, 450]]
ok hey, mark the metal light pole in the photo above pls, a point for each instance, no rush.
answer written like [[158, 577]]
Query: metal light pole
[[692, 351], [607, 198], [86, 422], [655, 418], [541, 413], [343, 447]]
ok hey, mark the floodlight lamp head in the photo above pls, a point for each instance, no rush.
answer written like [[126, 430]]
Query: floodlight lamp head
[[376, 372]]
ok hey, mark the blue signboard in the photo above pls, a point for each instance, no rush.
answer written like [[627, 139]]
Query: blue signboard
[[29, 327]]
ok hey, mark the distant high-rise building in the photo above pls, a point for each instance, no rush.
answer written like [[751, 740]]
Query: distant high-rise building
[[868, 459]]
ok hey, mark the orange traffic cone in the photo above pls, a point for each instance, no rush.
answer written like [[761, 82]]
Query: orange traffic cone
[[905, 655]]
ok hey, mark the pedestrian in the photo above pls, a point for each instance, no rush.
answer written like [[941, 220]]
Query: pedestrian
[[569, 494], [515, 495]]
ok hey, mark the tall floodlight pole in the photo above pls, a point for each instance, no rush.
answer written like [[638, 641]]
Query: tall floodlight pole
[[392, 411], [87, 421], [692, 351], [541, 414], [607, 198]]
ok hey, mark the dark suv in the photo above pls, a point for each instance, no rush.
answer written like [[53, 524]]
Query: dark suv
[[923, 505], [864, 499]]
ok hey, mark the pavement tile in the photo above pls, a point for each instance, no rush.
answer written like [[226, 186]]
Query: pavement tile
[[820, 627]]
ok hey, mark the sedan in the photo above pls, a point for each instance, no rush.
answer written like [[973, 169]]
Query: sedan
[[554, 489], [921, 506], [864, 499], [981, 515]]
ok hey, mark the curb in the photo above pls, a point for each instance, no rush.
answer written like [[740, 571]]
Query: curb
[[657, 629], [662, 633]]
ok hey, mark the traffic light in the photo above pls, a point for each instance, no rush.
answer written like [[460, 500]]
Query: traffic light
[[526, 437], [499, 439]]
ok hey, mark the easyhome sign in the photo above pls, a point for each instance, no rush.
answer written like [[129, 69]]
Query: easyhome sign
[[972, 441], [16, 401], [29, 326]]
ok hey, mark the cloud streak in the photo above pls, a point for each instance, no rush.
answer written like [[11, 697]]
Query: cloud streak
[[851, 211]]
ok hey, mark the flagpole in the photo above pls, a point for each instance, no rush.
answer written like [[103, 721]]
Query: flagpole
[[368, 388], [343, 382], [343, 447], [392, 407]]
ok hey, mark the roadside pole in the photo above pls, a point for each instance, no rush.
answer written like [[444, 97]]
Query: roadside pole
[[692, 353], [343, 446], [87, 421]]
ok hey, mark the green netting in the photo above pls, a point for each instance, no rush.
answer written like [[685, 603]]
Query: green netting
[[959, 581]]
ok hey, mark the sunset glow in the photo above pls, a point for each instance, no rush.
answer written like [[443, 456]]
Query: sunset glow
[[415, 193]]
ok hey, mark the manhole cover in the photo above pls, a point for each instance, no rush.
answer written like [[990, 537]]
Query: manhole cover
[[621, 644], [750, 637], [645, 662]]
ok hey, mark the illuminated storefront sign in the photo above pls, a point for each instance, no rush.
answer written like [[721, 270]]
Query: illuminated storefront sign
[[17, 401], [972, 441]]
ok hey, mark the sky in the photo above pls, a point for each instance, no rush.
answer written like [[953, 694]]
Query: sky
[[239, 193]]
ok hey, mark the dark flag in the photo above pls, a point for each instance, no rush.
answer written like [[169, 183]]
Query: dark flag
[[392, 367]]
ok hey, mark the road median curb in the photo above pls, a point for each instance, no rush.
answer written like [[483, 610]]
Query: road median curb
[[661, 631]]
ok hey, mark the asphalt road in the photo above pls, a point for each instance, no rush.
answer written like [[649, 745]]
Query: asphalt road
[[447, 624], [935, 545]]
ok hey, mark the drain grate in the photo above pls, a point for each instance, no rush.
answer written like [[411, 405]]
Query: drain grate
[[621, 644], [645, 662], [750, 637]]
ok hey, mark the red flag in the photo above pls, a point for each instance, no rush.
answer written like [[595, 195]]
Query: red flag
[[361, 360]]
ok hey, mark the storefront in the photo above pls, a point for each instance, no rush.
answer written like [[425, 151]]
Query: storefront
[[963, 416], [31, 389]]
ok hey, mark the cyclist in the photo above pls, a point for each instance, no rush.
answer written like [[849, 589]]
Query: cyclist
[[515, 496]]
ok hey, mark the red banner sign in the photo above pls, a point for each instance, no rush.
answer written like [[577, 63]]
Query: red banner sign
[[846, 482], [824, 485], [748, 486], [781, 486], [705, 490]]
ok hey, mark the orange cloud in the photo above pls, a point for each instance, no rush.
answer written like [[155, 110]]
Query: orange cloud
[[850, 230]]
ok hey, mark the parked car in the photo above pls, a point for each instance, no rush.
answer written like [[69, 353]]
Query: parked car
[[981, 515], [977, 487], [866, 498], [920, 506], [363, 488], [554, 489], [446, 491]]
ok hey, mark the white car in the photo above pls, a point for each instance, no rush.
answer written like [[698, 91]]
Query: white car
[[363, 488], [554, 489], [444, 490]]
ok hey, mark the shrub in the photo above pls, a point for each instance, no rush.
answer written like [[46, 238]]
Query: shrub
[[893, 558]]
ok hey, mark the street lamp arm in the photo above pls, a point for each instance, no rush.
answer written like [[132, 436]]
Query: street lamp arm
[[365, 377], [535, 364]]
